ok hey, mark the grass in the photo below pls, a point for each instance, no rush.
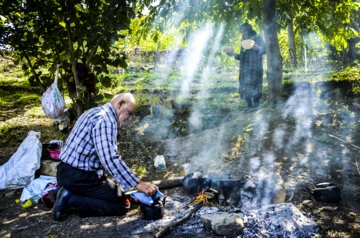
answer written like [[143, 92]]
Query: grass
[[21, 111], [20, 103]]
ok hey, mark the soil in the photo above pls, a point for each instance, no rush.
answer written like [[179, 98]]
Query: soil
[[305, 156]]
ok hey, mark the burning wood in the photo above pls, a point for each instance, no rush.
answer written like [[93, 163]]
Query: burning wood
[[197, 203], [210, 194], [201, 197]]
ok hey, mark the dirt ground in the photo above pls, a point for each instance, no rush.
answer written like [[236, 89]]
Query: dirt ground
[[302, 163]]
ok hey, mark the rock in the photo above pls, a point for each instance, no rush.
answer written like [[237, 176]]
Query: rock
[[223, 223], [10, 194], [48, 167], [279, 196], [307, 204]]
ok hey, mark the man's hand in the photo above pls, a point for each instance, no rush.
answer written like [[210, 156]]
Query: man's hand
[[256, 47], [147, 188]]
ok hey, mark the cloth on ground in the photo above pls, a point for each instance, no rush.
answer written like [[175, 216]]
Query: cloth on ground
[[35, 189]]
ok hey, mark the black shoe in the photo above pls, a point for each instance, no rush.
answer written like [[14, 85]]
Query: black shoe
[[61, 204]]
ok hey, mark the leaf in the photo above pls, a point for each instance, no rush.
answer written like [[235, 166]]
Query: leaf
[[106, 81], [99, 97], [63, 24], [123, 64]]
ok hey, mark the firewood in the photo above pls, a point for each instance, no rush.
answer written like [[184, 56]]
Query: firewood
[[196, 207], [168, 183]]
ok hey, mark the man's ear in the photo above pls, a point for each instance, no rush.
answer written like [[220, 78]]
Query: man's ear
[[122, 102]]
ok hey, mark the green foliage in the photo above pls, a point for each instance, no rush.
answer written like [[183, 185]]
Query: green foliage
[[330, 19], [349, 73], [46, 33], [140, 170], [136, 36]]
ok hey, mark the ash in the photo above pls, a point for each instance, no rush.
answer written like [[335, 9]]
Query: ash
[[175, 208], [278, 220]]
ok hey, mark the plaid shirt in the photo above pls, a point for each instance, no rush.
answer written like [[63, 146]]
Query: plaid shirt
[[92, 146]]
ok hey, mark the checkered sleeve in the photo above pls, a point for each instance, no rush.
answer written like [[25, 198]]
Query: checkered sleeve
[[104, 136]]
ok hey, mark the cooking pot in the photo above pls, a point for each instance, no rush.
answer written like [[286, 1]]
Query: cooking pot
[[327, 192], [154, 211]]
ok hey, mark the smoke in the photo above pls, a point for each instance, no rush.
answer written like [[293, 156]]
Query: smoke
[[282, 145], [193, 56]]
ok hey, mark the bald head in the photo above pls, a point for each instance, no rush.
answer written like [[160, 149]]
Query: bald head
[[125, 107], [123, 98]]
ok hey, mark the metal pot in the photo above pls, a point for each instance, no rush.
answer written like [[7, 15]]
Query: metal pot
[[153, 212], [327, 192]]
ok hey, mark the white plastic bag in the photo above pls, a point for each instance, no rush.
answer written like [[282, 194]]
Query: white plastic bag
[[52, 102], [19, 171], [159, 162]]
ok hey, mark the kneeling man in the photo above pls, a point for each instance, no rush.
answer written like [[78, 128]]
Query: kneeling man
[[90, 148]]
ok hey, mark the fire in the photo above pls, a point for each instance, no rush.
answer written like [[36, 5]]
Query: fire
[[202, 197]]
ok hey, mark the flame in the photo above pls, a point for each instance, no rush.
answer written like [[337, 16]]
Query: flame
[[201, 197]]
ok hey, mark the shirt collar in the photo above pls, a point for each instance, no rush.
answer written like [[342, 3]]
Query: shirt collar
[[112, 110]]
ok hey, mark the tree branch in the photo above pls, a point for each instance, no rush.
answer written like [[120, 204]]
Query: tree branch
[[33, 71]]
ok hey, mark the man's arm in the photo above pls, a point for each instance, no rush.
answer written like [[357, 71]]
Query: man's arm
[[236, 56], [104, 138], [259, 45]]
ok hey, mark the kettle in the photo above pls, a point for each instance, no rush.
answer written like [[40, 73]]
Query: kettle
[[154, 211]]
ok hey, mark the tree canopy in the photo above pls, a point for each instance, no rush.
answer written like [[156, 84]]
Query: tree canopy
[[77, 34]]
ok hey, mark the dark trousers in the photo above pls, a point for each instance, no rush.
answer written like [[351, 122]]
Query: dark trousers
[[90, 195]]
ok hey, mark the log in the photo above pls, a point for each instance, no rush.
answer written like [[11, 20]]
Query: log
[[168, 183], [196, 207]]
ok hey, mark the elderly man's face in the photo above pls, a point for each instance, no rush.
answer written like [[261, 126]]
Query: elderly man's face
[[126, 113]]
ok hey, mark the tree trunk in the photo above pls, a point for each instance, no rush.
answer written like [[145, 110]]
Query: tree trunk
[[156, 56], [292, 48], [274, 59], [78, 107]]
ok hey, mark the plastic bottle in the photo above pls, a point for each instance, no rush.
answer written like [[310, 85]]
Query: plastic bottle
[[159, 162]]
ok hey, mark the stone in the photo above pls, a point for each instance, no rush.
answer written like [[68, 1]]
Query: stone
[[48, 167], [10, 194], [224, 223], [307, 204]]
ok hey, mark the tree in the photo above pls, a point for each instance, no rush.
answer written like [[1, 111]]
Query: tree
[[328, 18], [274, 62], [77, 34]]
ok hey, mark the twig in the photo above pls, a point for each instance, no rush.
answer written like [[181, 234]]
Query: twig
[[177, 222], [346, 142], [291, 197], [355, 146], [357, 167]]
